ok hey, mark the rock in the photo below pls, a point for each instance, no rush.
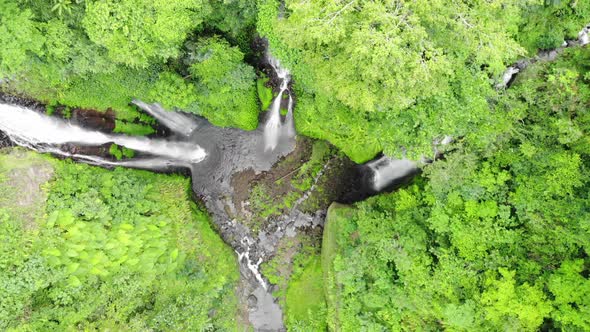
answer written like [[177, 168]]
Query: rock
[[447, 140], [5, 141], [252, 301]]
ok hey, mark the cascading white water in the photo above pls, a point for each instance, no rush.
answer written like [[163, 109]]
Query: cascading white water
[[29, 128], [253, 267], [583, 37], [273, 126], [386, 171], [149, 163], [178, 122], [289, 123], [507, 77]]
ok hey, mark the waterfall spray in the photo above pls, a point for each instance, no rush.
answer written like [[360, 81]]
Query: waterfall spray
[[583, 38]]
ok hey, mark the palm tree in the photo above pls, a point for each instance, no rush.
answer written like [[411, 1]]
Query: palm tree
[[63, 6]]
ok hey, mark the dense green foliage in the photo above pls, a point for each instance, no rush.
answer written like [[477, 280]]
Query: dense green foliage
[[102, 54], [487, 240], [226, 93], [265, 94], [305, 300], [380, 75], [109, 250]]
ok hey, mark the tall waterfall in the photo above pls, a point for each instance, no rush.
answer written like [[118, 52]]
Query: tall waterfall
[[29, 128], [273, 128], [178, 122], [583, 38]]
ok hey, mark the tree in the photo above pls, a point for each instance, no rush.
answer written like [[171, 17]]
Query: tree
[[20, 37], [547, 25], [391, 64], [135, 32], [226, 87], [494, 237]]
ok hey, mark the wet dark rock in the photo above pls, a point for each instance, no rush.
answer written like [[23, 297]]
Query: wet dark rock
[[22, 101], [99, 151], [5, 141], [101, 121]]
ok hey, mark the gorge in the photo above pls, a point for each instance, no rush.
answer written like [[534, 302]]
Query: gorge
[[214, 157], [419, 166]]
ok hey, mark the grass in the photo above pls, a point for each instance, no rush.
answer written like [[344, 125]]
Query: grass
[[279, 268], [263, 204], [100, 92], [296, 271], [265, 94], [306, 302], [120, 151], [330, 249], [320, 153], [130, 128], [22, 176]]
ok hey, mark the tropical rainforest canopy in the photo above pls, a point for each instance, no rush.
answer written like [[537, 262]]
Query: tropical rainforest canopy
[[494, 236]]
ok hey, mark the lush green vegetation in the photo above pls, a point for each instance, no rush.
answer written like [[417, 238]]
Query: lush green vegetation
[[306, 303], [493, 239], [391, 74], [120, 151], [297, 272], [265, 93], [99, 250], [102, 54]]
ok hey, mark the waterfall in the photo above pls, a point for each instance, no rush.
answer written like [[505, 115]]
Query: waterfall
[[583, 37], [273, 126], [507, 77], [179, 122], [289, 123], [387, 171], [147, 164], [29, 128]]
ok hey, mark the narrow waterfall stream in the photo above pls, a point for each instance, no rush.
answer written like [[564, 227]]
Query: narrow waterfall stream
[[386, 171], [543, 55]]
